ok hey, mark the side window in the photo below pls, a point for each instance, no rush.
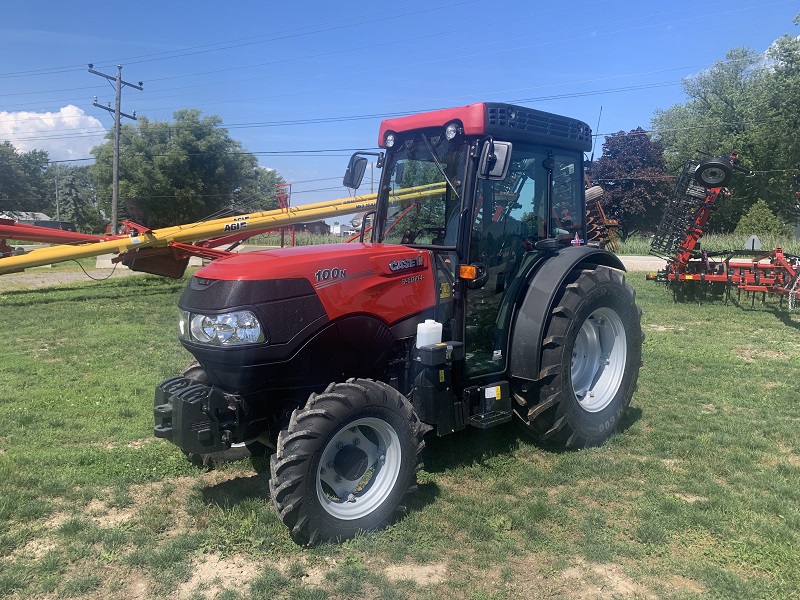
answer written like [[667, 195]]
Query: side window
[[567, 188], [512, 208]]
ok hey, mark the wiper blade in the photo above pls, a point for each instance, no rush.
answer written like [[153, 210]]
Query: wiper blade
[[439, 164]]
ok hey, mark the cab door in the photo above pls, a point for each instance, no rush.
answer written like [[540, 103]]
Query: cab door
[[509, 217]]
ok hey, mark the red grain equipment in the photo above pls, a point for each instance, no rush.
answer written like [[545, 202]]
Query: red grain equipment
[[692, 272]]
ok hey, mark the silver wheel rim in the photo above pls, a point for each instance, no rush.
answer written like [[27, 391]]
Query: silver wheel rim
[[358, 469], [712, 175], [598, 359]]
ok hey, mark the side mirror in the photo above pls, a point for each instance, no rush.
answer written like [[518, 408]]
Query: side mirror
[[495, 160], [481, 279], [355, 172]]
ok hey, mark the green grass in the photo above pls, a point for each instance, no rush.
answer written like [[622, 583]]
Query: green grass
[[634, 245], [698, 496], [301, 238], [716, 242]]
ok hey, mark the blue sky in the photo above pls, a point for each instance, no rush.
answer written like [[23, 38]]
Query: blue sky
[[303, 84]]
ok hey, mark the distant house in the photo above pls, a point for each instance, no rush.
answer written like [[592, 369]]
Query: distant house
[[24, 217], [337, 229], [38, 219], [315, 227]]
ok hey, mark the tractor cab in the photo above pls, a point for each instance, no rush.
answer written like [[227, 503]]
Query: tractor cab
[[489, 189]]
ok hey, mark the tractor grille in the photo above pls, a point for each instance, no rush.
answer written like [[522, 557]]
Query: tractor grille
[[518, 122]]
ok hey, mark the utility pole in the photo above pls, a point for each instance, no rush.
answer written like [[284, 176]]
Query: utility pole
[[58, 211], [117, 130]]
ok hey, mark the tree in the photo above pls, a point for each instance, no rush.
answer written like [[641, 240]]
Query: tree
[[633, 174], [748, 103], [75, 196], [184, 171], [22, 181], [760, 220]]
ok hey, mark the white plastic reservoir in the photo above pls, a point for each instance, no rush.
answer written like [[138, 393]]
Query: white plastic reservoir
[[429, 332]]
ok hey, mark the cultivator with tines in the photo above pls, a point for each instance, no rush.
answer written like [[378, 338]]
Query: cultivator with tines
[[685, 216], [692, 272], [599, 228]]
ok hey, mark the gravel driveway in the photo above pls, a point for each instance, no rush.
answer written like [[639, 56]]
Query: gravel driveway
[[43, 277]]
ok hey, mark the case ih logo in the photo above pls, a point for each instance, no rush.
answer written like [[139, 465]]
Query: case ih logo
[[406, 263]]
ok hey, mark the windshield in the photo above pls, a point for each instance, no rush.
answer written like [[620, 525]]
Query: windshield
[[426, 176]]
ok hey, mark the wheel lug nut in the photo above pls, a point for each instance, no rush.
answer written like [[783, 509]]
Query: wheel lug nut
[[322, 471], [330, 465], [357, 442], [338, 479], [339, 445]]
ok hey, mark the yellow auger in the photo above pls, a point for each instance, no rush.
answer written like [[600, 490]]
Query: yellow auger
[[251, 223]]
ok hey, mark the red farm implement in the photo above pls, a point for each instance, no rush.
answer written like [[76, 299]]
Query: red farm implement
[[691, 272], [599, 228]]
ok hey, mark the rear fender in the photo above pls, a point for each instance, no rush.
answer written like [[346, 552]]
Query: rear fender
[[531, 318]]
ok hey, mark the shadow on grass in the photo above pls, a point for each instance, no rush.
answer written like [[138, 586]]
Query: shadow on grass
[[441, 454], [228, 494], [475, 446], [784, 316], [758, 302]]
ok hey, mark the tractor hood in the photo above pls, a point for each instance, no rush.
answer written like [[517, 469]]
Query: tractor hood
[[326, 312], [389, 282]]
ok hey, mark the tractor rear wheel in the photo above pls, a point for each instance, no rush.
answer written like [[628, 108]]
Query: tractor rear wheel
[[346, 461], [591, 356]]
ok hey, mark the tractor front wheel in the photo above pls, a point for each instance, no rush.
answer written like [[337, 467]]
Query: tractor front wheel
[[346, 461], [591, 356]]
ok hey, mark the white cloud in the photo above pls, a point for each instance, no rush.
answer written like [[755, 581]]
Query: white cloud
[[67, 134]]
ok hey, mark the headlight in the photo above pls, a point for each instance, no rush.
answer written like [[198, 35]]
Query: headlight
[[389, 140], [227, 329], [452, 130]]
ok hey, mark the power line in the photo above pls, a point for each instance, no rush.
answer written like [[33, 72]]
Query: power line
[[329, 152], [697, 15]]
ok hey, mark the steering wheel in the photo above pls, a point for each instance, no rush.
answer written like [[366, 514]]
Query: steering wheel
[[438, 238]]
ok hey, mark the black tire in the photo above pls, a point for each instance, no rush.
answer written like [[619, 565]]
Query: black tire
[[196, 373], [591, 354], [361, 436], [714, 172]]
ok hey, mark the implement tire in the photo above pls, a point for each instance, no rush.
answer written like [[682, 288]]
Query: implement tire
[[714, 172], [591, 354], [346, 461]]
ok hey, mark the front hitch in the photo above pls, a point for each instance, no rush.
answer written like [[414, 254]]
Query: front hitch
[[199, 419]]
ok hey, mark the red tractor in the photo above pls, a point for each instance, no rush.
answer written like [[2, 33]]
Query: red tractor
[[473, 301]]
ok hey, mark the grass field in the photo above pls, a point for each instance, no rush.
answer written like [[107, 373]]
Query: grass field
[[716, 242], [697, 497]]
